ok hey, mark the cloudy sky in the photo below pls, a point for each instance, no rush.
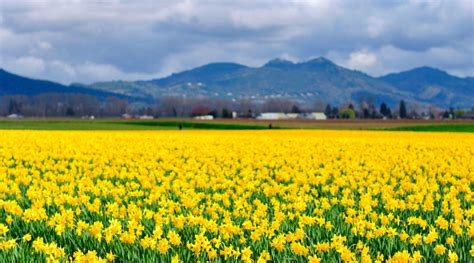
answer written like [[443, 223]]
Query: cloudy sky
[[87, 41]]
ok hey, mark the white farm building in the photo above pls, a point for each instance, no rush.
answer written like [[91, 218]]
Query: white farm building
[[291, 116]]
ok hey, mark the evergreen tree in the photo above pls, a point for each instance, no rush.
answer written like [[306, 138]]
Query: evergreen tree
[[69, 111], [295, 109], [348, 113], [366, 113], [226, 113], [446, 115], [383, 109], [335, 112], [328, 111], [403, 110]]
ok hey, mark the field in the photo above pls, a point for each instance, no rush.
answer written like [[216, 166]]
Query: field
[[233, 196], [236, 124]]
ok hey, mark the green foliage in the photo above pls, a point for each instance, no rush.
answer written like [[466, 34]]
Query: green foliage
[[402, 110], [437, 128], [125, 125], [197, 125], [459, 113], [226, 113], [347, 114]]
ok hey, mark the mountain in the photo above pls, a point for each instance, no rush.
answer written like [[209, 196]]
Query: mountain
[[317, 79], [11, 84], [206, 73], [434, 86]]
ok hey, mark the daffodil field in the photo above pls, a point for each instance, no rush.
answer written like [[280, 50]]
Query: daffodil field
[[233, 196]]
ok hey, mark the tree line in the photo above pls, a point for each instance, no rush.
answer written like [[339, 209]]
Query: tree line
[[59, 104], [76, 105]]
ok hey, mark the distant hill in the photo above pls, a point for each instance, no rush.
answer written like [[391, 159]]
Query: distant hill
[[315, 80], [11, 84], [434, 86], [318, 79], [207, 73]]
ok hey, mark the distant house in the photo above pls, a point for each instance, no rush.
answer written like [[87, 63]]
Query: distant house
[[272, 116], [204, 117], [316, 116], [15, 116], [91, 117], [126, 116], [469, 114], [291, 116], [145, 117]]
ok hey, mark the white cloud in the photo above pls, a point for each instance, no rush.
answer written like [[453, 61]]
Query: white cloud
[[387, 59], [44, 45], [27, 65], [375, 26], [96, 40], [66, 73], [361, 60]]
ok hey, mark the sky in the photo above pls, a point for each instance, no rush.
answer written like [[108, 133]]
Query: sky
[[101, 40]]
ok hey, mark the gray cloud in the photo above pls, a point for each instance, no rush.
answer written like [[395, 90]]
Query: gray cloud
[[88, 41]]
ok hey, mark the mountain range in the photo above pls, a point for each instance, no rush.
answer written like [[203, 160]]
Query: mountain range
[[318, 79], [11, 84]]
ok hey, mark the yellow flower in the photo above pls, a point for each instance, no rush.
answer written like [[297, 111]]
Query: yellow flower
[[404, 236], [163, 246], [417, 256], [416, 240], [322, 247], [450, 241], [7, 245], [299, 249], [452, 256], [233, 195], [442, 223], [212, 253], [279, 243], [3, 229], [110, 256], [439, 249], [174, 238], [264, 257], [26, 237], [246, 254], [314, 259], [148, 242], [96, 230]]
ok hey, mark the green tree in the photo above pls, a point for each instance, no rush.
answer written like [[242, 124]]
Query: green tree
[[295, 109], [328, 111], [347, 114], [402, 111], [385, 110], [226, 113], [459, 113]]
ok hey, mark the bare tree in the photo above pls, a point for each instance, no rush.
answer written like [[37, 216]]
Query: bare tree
[[278, 105], [414, 110], [245, 107], [113, 106], [173, 106], [319, 106]]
